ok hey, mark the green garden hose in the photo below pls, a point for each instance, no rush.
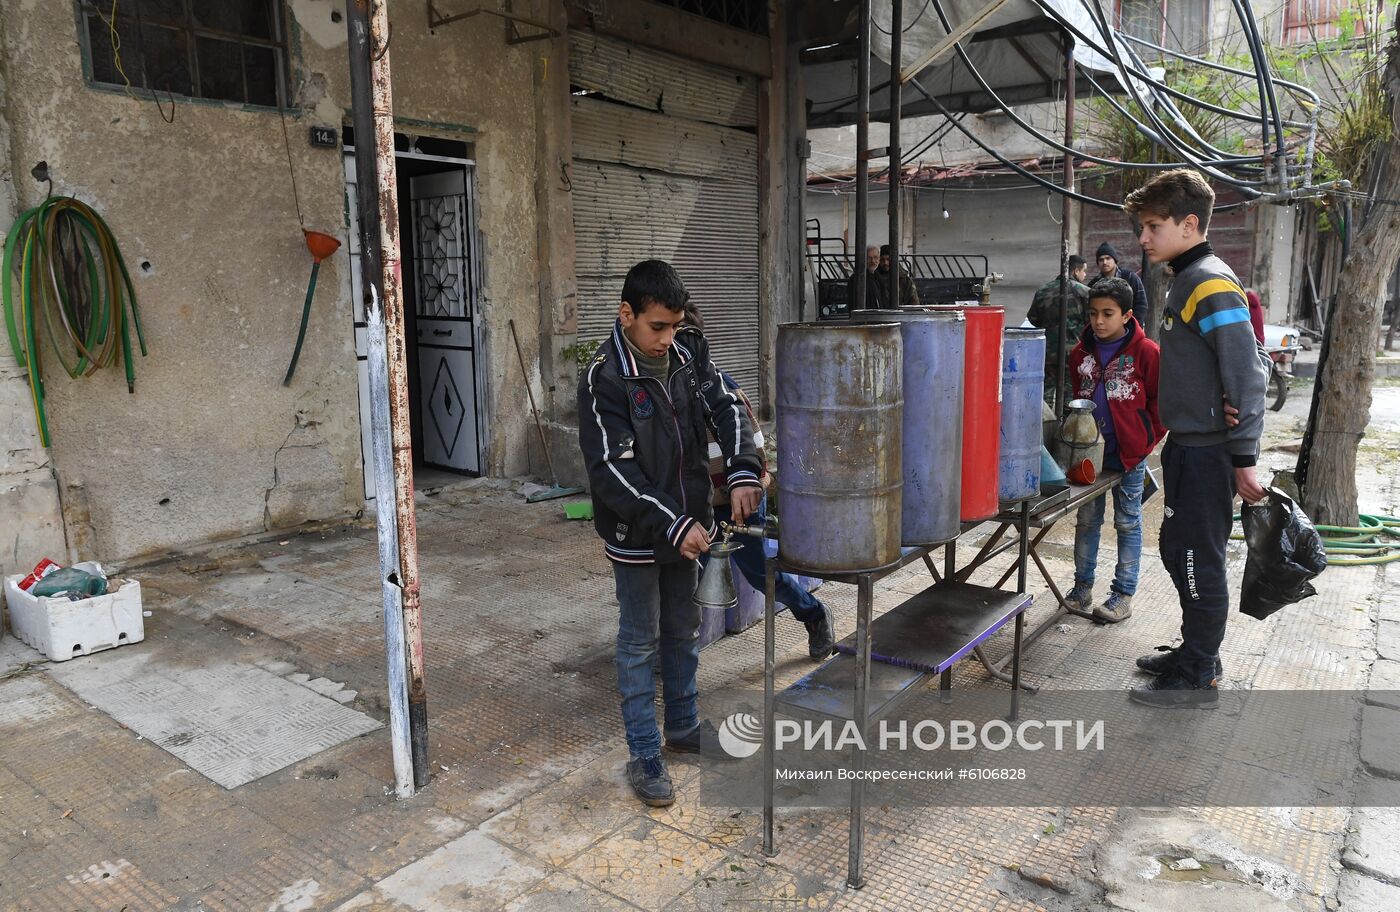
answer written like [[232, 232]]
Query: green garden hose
[[72, 280], [1360, 545]]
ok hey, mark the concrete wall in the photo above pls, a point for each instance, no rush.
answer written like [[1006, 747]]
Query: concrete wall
[[31, 521], [211, 444]]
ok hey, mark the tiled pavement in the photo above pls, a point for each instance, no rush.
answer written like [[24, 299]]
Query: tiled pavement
[[528, 809]]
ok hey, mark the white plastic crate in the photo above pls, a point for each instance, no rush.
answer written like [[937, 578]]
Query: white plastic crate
[[61, 629]]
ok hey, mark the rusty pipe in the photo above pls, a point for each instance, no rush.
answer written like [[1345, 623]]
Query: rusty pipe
[[373, 114]]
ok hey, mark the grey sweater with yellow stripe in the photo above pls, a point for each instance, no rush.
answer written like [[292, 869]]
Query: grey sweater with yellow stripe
[[1208, 353]]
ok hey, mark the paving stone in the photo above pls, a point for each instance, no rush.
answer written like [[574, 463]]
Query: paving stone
[[1388, 640], [524, 724], [1372, 846], [648, 863], [561, 891], [1359, 893], [344, 696], [324, 686], [1384, 689], [232, 722], [472, 873], [1380, 740]]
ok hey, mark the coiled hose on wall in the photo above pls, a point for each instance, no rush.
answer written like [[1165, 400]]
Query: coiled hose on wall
[[73, 287], [1360, 545]]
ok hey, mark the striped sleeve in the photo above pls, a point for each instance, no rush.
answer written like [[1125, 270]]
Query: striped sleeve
[[1214, 303], [1220, 313]]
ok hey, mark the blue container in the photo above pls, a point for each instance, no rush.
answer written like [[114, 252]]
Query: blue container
[[934, 344], [749, 611], [840, 403], [712, 624], [1022, 389]]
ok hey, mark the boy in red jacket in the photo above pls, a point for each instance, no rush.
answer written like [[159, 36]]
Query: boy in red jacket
[[1115, 365]]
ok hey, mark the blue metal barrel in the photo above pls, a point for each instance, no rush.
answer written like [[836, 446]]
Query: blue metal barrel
[[1022, 389], [933, 419], [840, 406]]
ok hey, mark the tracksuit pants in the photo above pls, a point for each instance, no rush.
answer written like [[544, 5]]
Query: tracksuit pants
[[1199, 488]]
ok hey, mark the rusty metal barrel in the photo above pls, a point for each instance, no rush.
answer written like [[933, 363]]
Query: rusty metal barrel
[[840, 406], [933, 417], [1022, 392]]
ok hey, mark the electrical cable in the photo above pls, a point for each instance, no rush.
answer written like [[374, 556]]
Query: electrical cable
[[1314, 98], [1164, 136], [1049, 140], [1088, 200], [1110, 50], [72, 279]]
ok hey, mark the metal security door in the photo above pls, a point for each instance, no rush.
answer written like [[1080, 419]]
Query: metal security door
[[444, 270]]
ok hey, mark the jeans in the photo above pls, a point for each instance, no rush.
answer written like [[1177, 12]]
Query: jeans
[[805, 606], [659, 620], [1199, 484], [1127, 522]]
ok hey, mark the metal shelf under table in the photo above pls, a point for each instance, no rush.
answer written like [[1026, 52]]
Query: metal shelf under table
[[970, 615]]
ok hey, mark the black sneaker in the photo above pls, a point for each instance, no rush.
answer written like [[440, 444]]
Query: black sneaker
[[651, 782], [702, 740], [1164, 660], [1171, 691], [821, 638]]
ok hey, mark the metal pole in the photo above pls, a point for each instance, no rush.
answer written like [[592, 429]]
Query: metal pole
[[386, 503], [373, 111], [1066, 204], [896, 103], [770, 574], [1022, 529], [865, 601], [385, 509], [862, 152]]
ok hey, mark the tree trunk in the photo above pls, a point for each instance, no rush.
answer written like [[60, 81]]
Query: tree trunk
[[1157, 282], [1343, 405]]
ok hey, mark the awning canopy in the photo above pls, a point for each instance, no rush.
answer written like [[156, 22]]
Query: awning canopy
[[1018, 48]]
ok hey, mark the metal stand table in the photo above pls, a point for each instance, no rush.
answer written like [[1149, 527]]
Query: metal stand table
[[1043, 522], [934, 629]]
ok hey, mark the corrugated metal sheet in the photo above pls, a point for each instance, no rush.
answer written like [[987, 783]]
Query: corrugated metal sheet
[[666, 186], [659, 82], [707, 229], [609, 132]]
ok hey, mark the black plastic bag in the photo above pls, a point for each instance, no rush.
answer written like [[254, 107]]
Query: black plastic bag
[[1285, 551]]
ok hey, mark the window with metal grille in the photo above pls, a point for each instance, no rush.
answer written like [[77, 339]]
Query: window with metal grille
[[1176, 24], [1306, 20], [226, 50], [749, 15]]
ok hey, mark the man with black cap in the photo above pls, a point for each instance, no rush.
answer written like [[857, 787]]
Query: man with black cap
[[1107, 256], [908, 294]]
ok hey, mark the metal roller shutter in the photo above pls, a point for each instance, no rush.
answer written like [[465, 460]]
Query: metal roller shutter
[[676, 182]]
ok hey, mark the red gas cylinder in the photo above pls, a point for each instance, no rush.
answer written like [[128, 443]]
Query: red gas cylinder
[[981, 430]]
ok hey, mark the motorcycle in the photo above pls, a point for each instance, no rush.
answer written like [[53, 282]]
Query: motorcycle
[[1281, 355]]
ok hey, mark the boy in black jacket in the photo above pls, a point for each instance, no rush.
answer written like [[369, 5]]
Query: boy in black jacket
[[1209, 358], [644, 406]]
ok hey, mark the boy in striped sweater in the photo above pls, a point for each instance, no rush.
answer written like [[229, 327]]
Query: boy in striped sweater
[[1210, 358]]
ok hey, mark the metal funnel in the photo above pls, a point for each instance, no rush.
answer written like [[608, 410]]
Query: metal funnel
[[716, 590]]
